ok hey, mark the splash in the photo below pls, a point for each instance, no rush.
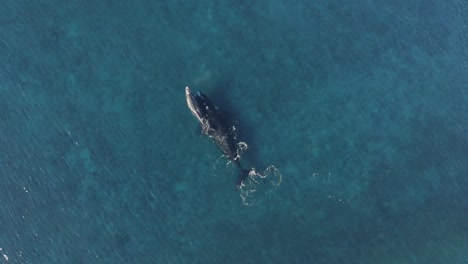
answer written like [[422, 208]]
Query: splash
[[4, 255], [258, 185], [241, 148]]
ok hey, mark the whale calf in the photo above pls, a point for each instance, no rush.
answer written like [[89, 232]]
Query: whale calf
[[214, 126]]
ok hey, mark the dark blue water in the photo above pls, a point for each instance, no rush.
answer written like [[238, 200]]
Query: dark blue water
[[354, 113]]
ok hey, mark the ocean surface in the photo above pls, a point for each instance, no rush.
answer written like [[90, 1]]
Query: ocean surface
[[354, 115]]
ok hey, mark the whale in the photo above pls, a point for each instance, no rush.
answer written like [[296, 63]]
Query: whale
[[214, 125]]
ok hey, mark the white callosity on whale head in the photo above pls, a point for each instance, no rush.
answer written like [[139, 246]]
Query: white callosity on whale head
[[193, 104]]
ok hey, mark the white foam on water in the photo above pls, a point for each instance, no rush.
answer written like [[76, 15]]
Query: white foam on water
[[258, 185]]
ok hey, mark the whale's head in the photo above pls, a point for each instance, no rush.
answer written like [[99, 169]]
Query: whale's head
[[196, 102]]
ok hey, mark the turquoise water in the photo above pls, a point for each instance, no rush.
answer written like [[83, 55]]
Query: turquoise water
[[354, 114]]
